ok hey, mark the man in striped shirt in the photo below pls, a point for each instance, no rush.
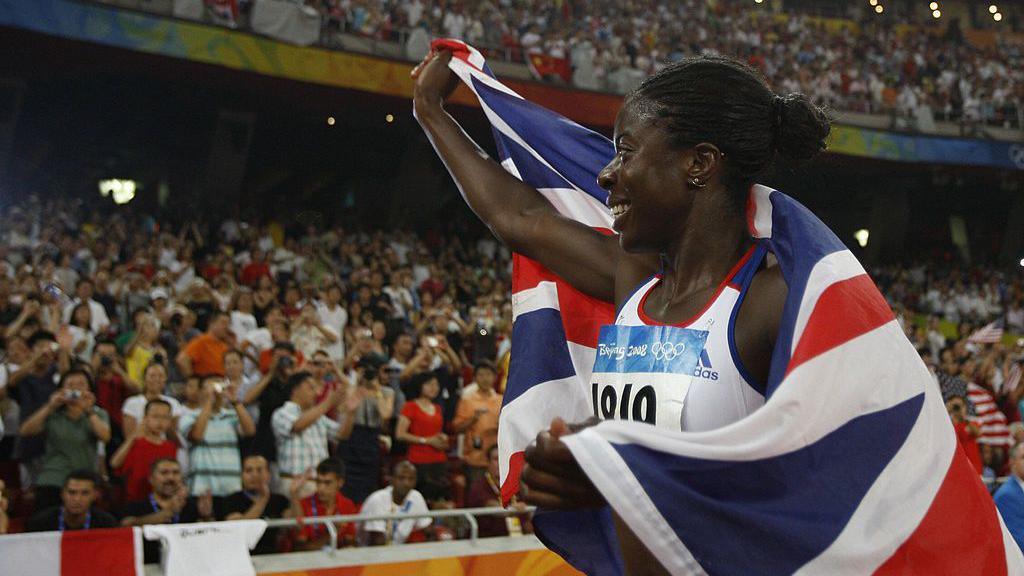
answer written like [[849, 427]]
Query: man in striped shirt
[[213, 432], [302, 430]]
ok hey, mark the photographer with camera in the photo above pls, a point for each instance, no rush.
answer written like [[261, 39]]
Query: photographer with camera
[[113, 385], [368, 421], [269, 394], [34, 382], [213, 434], [967, 432], [72, 425]]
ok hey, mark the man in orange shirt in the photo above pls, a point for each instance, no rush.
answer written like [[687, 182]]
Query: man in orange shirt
[[204, 354], [477, 417]]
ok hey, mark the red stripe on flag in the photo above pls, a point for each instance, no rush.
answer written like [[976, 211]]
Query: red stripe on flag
[[109, 552], [582, 315], [959, 535], [844, 311], [510, 487]]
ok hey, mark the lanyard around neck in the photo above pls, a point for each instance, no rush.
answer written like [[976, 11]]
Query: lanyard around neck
[[60, 520]]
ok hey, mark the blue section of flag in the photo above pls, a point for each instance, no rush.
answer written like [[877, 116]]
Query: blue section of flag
[[744, 517], [649, 349], [538, 335], [548, 134]]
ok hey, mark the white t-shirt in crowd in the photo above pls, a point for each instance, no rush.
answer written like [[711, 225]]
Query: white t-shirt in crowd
[[336, 320], [220, 548], [135, 406], [382, 502], [242, 324]]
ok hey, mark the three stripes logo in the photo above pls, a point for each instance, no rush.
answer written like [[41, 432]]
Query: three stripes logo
[[704, 368]]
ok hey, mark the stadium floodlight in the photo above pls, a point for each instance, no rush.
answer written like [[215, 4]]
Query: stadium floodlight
[[936, 14], [879, 9], [122, 191], [389, 118], [1022, 262], [992, 9], [758, 1], [330, 120], [873, 2], [933, 6], [997, 16], [861, 236]]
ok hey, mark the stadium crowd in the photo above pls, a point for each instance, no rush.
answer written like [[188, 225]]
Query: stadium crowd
[[236, 370], [155, 373], [920, 73]]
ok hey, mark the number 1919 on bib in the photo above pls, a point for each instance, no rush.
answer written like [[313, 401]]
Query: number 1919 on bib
[[640, 406]]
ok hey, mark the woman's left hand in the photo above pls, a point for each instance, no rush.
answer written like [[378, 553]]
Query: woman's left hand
[[551, 477]]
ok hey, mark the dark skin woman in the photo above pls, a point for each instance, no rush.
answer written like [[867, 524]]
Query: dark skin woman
[[689, 143]]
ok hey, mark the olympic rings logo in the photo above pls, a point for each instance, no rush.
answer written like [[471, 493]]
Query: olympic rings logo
[[667, 351]]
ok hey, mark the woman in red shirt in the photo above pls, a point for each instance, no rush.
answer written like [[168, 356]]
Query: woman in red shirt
[[420, 425]]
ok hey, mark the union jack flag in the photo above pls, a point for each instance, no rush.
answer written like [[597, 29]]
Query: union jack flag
[[851, 467]]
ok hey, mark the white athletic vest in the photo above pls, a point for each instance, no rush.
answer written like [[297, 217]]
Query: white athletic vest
[[682, 377]]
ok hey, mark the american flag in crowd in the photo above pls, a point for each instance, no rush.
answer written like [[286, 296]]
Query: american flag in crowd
[[1012, 379], [852, 465], [988, 334], [990, 419]]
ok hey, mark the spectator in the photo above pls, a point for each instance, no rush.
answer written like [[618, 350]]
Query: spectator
[[154, 380], [82, 337], [144, 348], [204, 354], [477, 417], [361, 452], [309, 333], [335, 318], [243, 321], [1010, 496], [485, 492], [234, 375], [99, 321], [33, 384], [399, 497], [967, 432], [303, 430], [213, 434], [147, 444], [327, 500], [269, 394], [326, 378], [113, 385], [255, 500], [76, 511], [168, 503], [73, 425], [420, 425]]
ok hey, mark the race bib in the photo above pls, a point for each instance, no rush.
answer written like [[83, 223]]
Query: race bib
[[643, 373]]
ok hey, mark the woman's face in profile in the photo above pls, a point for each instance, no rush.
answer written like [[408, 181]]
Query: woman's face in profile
[[647, 183]]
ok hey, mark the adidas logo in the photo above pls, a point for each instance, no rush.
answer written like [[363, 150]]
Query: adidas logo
[[704, 368]]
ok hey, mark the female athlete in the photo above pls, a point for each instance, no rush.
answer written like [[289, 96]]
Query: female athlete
[[689, 143]]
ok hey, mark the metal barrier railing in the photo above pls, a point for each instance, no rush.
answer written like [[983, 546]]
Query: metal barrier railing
[[329, 522]]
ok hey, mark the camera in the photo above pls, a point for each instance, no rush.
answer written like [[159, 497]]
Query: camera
[[218, 387], [432, 341], [73, 394], [478, 443], [158, 358], [106, 360], [285, 362]]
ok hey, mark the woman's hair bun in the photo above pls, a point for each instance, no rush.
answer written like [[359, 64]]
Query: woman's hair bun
[[801, 127]]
